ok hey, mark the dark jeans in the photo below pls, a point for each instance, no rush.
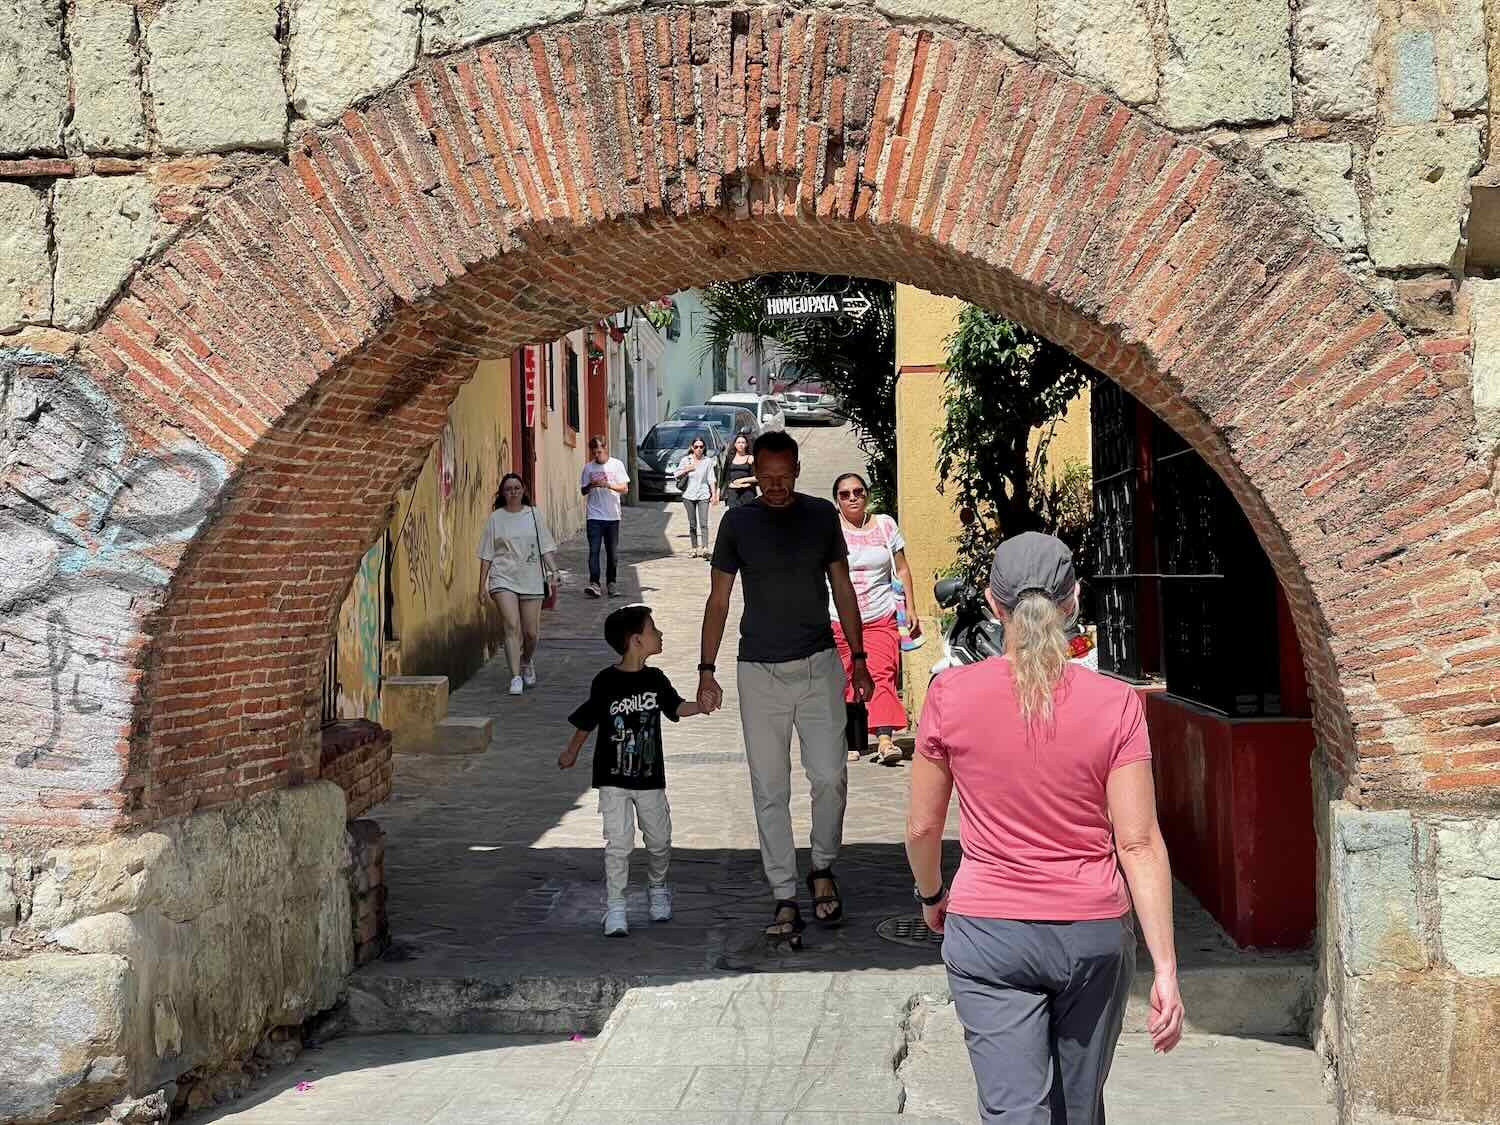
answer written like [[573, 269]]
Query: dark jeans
[[606, 532]]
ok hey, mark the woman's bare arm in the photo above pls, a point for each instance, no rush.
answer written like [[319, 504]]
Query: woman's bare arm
[[926, 813], [1143, 857]]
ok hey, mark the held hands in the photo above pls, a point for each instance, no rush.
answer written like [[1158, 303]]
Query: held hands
[[710, 694], [1167, 1013]]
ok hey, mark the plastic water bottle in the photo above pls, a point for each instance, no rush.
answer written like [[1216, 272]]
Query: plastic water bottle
[[903, 626]]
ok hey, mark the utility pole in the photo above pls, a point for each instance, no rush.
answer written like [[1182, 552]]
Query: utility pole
[[633, 496]]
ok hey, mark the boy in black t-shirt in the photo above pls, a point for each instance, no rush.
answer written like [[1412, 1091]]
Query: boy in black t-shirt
[[626, 702]]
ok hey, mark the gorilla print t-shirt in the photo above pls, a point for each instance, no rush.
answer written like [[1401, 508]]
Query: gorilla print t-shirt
[[626, 708]]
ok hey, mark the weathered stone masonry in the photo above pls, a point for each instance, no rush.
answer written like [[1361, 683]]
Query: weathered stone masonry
[[1254, 222]]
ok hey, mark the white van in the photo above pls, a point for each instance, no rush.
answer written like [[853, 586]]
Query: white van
[[766, 409]]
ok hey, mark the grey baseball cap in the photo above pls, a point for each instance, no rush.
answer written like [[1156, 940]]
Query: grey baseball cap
[[1032, 561]]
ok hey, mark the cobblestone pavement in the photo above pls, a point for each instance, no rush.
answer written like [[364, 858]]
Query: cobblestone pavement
[[494, 869]]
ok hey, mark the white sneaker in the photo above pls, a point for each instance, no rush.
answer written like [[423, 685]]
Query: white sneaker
[[614, 922], [661, 903], [516, 685], [528, 675], [614, 591], [592, 589]]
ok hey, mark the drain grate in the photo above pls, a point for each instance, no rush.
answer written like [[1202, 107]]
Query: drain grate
[[706, 758], [907, 929]]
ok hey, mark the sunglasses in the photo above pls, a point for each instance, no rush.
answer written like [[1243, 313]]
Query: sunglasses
[[851, 493]]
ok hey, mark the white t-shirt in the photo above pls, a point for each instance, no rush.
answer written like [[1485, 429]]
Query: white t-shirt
[[513, 544], [604, 503], [700, 476], [870, 571]]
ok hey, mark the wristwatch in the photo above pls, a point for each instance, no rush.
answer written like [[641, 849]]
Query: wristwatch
[[916, 893], [853, 656], [707, 668]]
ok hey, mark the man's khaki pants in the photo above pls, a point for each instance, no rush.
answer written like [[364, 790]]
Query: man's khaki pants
[[774, 698]]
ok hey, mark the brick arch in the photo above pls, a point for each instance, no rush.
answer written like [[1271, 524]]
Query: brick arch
[[310, 332]]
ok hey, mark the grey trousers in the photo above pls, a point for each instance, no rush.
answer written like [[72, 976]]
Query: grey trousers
[[697, 514], [807, 694], [621, 808], [1041, 1004]]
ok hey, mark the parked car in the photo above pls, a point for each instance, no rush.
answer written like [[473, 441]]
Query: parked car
[[766, 409], [809, 406], [731, 420], [664, 446]]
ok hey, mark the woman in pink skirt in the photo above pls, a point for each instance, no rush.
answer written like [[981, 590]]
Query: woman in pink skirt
[[877, 554]]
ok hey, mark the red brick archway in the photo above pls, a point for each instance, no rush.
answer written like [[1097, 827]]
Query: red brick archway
[[313, 328]]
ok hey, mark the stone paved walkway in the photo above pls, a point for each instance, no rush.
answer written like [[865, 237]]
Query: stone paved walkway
[[494, 866]]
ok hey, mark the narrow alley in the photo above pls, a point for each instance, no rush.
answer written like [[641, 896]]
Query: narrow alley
[[502, 1002]]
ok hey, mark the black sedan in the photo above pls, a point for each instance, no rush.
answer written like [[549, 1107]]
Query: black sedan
[[664, 447]]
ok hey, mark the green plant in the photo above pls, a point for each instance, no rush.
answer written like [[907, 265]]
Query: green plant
[[854, 358], [1004, 391]]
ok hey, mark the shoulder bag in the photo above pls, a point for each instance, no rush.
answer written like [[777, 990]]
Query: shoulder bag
[[549, 592]]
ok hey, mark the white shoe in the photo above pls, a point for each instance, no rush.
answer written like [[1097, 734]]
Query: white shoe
[[661, 903], [528, 675], [592, 589], [614, 922], [516, 685], [614, 591]]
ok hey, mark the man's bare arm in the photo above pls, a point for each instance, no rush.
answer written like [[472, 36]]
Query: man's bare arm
[[715, 616], [847, 604]]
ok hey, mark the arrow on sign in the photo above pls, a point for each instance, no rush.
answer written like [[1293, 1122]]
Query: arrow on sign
[[855, 306]]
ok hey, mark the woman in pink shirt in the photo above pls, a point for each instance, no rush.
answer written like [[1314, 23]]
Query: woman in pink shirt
[[1053, 770]]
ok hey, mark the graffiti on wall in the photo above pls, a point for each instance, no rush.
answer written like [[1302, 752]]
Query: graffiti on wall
[[89, 532], [361, 639]]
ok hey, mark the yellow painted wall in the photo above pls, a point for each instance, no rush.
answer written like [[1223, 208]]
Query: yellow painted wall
[[558, 463], [436, 616], [923, 323]]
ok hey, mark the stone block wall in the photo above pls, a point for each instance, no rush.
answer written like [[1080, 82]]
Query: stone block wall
[[357, 758], [164, 953], [1413, 934]]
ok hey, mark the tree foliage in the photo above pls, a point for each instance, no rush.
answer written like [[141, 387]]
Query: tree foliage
[[1004, 392], [853, 358]]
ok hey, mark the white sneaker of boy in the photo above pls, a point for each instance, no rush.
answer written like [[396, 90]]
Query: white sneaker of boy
[[614, 922], [515, 685], [661, 903], [528, 675]]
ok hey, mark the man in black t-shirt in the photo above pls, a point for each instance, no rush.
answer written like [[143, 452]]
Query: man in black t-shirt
[[791, 552], [625, 704]]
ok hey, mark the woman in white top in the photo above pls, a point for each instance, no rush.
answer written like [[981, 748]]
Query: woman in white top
[[697, 477], [877, 555], [517, 557]]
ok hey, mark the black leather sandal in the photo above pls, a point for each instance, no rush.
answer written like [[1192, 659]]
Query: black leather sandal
[[790, 929], [834, 917]]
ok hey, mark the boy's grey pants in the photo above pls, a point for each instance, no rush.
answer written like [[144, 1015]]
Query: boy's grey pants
[[1041, 1004], [620, 809], [807, 694]]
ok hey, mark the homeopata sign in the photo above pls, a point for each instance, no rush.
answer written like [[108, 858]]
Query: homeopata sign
[[815, 306]]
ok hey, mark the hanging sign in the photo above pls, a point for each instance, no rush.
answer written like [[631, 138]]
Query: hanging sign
[[815, 306], [528, 362]]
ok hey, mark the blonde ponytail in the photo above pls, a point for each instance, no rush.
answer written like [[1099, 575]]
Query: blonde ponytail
[[1037, 644]]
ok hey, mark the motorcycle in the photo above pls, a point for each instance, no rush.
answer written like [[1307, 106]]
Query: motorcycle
[[975, 633]]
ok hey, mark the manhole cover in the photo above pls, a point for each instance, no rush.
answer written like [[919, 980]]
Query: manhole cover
[[907, 929]]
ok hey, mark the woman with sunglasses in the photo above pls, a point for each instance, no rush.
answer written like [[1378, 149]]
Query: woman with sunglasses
[[697, 479], [877, 554]]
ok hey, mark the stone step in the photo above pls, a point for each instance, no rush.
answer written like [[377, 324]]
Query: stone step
[[1254, 999], [411, 708], [463, 734]]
